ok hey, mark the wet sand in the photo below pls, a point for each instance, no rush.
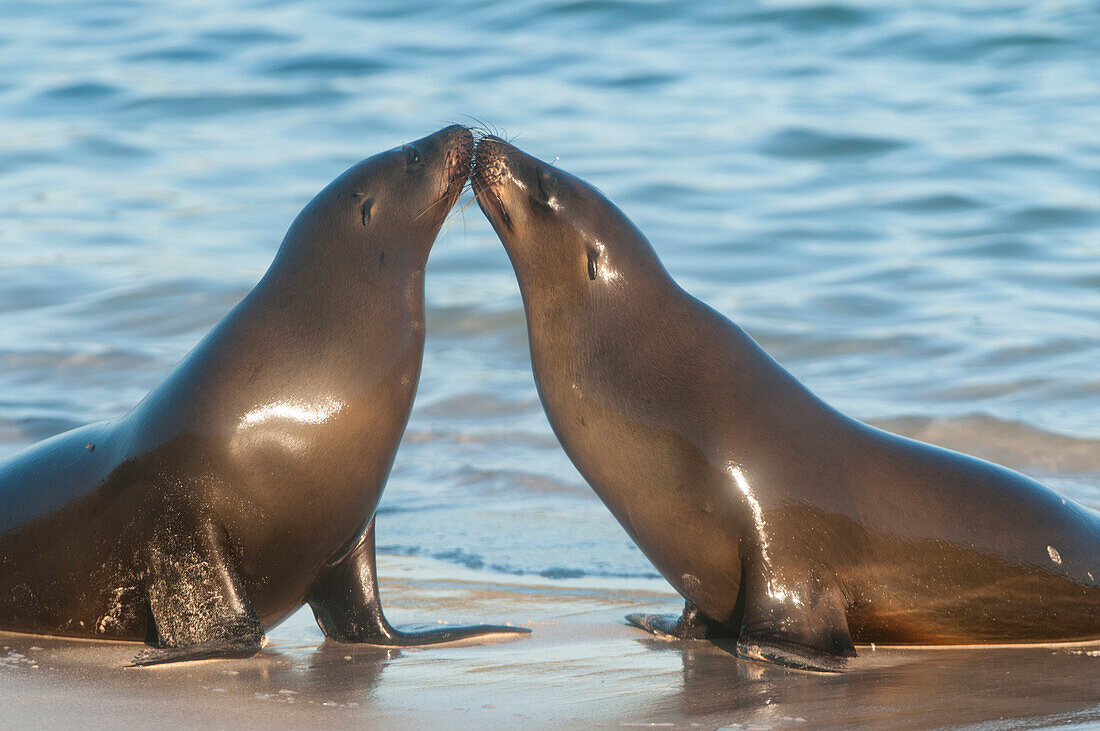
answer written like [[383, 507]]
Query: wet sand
[[581, 667]]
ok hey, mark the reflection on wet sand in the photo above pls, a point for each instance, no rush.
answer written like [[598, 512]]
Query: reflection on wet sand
[[327, 675], [581, 667], [918, 688]]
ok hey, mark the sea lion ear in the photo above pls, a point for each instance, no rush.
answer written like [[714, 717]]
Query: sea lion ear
[[365, 208], [593, 261]]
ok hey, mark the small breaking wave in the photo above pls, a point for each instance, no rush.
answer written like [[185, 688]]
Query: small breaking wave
[[1013, 444], [476, 561]]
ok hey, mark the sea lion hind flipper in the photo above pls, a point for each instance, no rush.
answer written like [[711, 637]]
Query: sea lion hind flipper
[[199, 608], [347, 606], [805, 633], [691, 625]]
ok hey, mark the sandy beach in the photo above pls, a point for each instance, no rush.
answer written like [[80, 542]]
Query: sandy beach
[[581, 667]]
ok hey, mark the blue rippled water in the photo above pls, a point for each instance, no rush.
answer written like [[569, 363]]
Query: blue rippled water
[[901, 204]]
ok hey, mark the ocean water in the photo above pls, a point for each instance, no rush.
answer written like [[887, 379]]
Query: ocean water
[[902, 205]]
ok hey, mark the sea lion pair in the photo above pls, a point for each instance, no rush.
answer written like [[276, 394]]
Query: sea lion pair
[[246, 483], [786, 525]]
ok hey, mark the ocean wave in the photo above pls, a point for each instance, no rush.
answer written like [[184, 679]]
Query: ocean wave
[[477, 561], [817, 144], [1015, 444]]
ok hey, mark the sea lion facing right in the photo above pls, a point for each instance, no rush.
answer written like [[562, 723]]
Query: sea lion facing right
[[246, 483], [784, 523]]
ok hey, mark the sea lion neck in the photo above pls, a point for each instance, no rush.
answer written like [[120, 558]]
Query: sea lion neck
[[374, 273]]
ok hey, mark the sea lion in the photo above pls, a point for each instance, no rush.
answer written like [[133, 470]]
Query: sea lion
[[245, 484], [785, 524]]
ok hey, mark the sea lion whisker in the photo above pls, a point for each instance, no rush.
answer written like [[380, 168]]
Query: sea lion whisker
[[481, 128], [442, 199], [458, 212]]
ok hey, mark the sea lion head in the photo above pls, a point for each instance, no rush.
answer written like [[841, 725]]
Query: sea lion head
[[567, 242], [388, 206]]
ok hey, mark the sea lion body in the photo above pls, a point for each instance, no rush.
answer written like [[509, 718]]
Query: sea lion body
[[245, 484], [784, 523]]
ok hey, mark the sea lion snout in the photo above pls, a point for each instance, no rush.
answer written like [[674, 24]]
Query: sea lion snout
[[490, 166], [427, 176], [458, 144], [490, 161], [446, 156]]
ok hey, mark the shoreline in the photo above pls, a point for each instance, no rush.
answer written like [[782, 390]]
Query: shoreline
[[582, 666]]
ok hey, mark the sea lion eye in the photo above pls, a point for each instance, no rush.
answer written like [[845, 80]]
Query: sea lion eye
[[548, 186], [412, 155], [592, 257]]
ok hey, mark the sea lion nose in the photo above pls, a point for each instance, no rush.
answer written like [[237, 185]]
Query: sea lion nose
[[448, 138], [461, 143], [457, 130]]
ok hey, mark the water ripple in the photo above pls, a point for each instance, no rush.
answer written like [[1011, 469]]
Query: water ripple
[[807, 143]]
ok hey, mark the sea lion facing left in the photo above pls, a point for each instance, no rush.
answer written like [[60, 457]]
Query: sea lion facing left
[[788, 527], [245, 484]]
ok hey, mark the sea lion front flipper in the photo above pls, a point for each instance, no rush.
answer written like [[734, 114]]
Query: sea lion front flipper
[[803, 632], [691, 625], [199, 607], [220, 650], [346, 604]]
